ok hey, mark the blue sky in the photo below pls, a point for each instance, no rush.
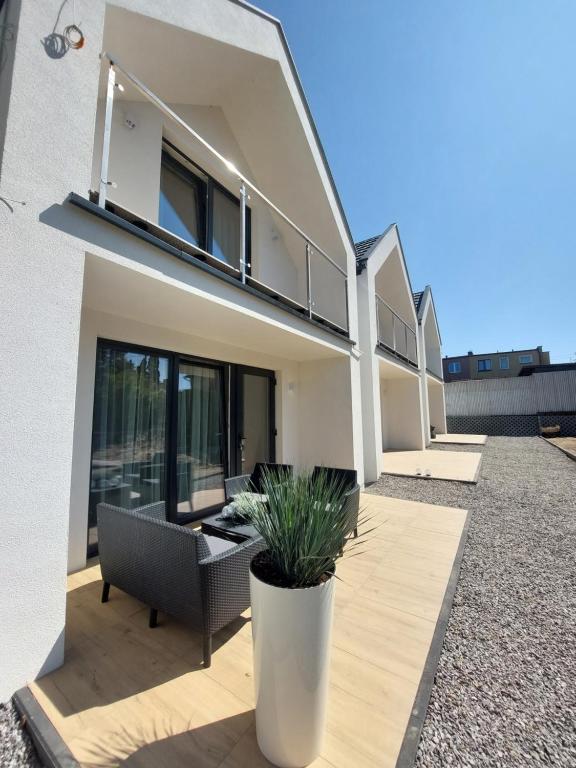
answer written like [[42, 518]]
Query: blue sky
[[457, 120]]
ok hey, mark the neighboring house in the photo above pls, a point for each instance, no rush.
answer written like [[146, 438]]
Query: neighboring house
[[178, 287], [492, 365], [431, 379], [392, 407]]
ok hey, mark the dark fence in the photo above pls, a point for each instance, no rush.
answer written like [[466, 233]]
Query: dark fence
[[513, 425]]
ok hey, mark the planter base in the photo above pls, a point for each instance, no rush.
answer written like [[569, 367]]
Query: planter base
[[291, 631]]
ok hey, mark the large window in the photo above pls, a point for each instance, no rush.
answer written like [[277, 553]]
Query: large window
[[195, 208], [129, 431], [182, 202], [169, 428], [454, 367], [484, 365], [525, 359], [201, 443], [504, 363]]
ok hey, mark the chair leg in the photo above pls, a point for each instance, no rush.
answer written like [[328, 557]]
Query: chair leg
[[105, 591], [207, 650], [153, 620]]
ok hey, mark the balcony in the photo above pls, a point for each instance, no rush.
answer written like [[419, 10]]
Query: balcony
[[159, 175], [394, 335]]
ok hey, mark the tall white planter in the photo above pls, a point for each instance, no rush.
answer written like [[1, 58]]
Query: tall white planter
[[291, 631]]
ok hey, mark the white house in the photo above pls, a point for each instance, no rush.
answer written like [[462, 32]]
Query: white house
[[392, 406], [178, 286], [431, 378]]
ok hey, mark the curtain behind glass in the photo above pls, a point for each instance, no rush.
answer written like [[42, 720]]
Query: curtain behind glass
[[129, 431], [226, 229], [180, 207], [200, 451]]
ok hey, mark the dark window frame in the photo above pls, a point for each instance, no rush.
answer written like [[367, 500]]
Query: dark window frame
[[190, 178], [455, 363], [526, 362], [486, 365], [236, 405], [209, 185], [230, 400]]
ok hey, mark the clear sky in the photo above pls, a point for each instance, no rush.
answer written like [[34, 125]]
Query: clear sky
[[456, 119]]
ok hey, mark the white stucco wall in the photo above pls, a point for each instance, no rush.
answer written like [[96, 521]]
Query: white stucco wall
[[47, 152], [325, 416], [403, 430], [437, 406]]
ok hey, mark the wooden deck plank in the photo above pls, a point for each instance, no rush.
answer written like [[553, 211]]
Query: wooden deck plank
[[128, 693], [460, 438], [439, 465]]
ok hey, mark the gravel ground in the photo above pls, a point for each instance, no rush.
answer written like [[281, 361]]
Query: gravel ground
[[16, 750], [505, 688]]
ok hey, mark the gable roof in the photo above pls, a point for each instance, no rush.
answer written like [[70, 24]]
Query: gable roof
[[364, 248]]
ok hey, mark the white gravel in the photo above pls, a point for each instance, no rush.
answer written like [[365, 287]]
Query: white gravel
[[16, 750], [505, 687]]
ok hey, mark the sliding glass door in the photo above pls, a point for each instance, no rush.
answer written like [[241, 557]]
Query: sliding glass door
[[129, 430], [201, 443], [169, 428]]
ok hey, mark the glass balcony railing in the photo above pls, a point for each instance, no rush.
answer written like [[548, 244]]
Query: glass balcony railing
[[212, 222], [394, 334]]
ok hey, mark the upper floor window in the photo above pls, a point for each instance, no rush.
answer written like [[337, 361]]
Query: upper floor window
[[454, 367], [195, 208], [182, 209], [525, 359], [485, 365], [504, 363]]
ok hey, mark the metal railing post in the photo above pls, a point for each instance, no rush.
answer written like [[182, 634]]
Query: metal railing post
[[393, 331], [104, 181], [406, 340], [308, 280], [243, 231]]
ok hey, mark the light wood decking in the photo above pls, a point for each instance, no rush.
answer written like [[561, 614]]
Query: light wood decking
[[127, 693], [440, 465], [460, 439]]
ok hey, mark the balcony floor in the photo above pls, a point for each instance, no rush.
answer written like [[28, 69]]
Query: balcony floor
[[460, 439], [439, 465], [128, 693]]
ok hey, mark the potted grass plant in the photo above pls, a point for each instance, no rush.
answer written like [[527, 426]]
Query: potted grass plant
[[305, 522]]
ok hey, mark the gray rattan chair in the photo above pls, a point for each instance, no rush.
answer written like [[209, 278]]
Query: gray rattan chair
[[201, 580], [352, 507], [235, 485], [253, 483]]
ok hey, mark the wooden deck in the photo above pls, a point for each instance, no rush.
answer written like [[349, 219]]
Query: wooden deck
[[129, 694], [460, 439], [439, 465]]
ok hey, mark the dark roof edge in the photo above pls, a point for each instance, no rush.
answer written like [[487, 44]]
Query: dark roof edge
[[283, 38], [361, 263]]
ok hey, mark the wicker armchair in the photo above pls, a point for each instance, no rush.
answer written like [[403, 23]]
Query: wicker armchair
[[253, 483], [201, 580], [348, 477]]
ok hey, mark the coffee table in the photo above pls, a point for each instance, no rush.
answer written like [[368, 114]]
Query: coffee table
[[227, 529]]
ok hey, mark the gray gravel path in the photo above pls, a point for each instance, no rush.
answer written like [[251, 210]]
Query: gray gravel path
[[505, 688], [16, 750]]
